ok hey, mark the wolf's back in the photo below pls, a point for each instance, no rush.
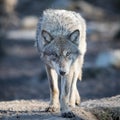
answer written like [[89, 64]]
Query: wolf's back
[[61, 23]]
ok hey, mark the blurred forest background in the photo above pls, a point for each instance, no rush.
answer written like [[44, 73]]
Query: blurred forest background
[[22, 74]]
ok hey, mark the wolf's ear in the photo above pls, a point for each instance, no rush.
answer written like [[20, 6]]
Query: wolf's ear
[[47, 36], [74, 37]]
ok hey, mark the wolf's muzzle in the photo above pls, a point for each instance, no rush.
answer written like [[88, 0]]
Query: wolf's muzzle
[[62, 72]]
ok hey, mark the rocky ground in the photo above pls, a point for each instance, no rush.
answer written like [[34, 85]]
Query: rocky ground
[[103, 109]]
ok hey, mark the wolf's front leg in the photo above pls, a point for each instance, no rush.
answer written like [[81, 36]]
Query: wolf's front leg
[[74, 97], [64, 98], [54, 91], [74, 94]]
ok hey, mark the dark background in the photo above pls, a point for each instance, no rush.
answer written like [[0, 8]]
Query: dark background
[[22, 74]]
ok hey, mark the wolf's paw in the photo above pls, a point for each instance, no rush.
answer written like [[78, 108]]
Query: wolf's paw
[[68, 114], [77, 103], [51, 109]]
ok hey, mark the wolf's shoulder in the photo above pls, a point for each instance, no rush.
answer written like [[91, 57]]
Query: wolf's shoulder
[[57, 13], [61, 22], [64, 15]]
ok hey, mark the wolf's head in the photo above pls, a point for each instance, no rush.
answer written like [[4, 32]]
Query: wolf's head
[[61, 51]]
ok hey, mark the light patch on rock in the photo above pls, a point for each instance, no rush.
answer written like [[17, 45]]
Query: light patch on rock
[[111, 58], [29, 22]]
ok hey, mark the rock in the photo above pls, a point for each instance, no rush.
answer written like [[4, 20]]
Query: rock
[[111, 58], [90, 10], [102, 30], [103, 109], [29, 22], [10, 6], [21, 34]]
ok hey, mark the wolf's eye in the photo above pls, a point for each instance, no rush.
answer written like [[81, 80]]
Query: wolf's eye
[[54, 56], [68, 54]]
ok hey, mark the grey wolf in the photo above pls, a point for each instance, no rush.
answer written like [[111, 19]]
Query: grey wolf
[[61, 42]]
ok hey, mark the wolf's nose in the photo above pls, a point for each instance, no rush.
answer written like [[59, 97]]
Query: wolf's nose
[[62, 72]]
